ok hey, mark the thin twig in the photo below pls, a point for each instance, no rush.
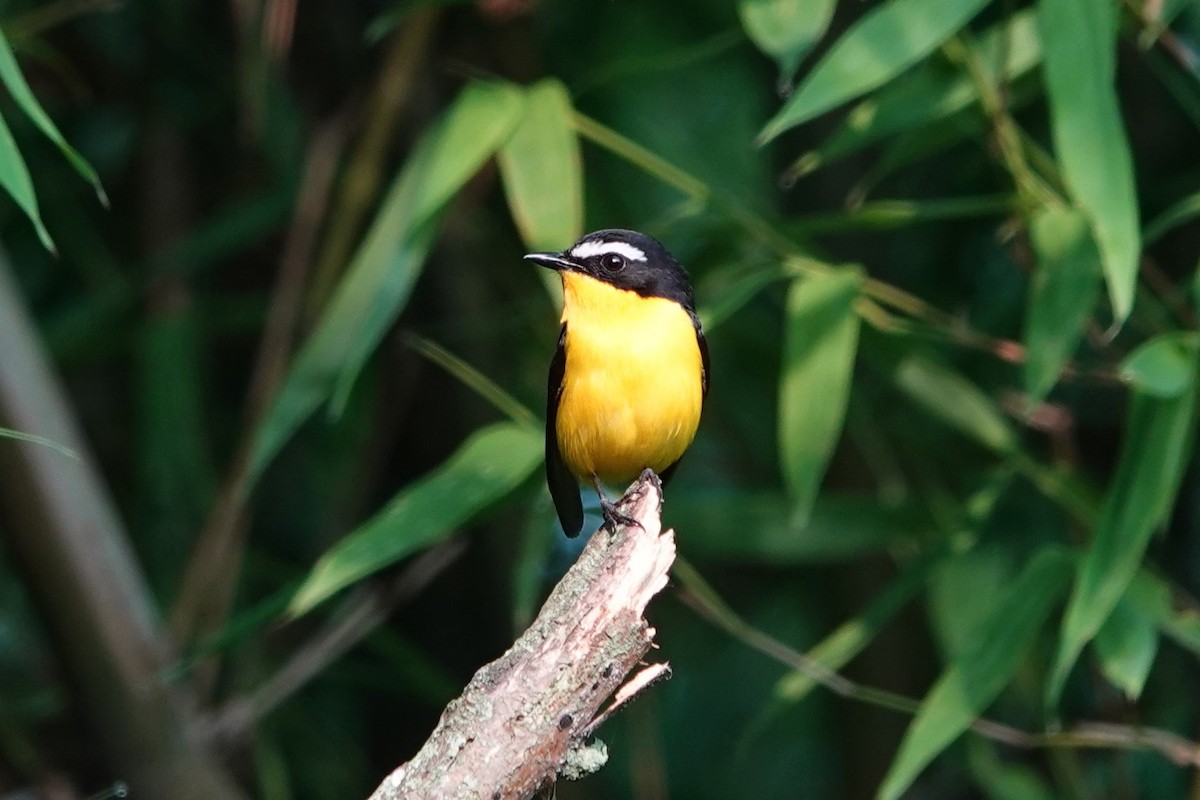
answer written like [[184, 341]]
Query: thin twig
[[1085, 735], [361, 613], [210, 575], [367, 164]]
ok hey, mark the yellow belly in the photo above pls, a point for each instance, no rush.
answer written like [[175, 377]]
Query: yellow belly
[[632, 391]]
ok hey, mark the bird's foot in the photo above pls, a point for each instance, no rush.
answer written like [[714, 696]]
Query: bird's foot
[[612, 513], [613, 516]]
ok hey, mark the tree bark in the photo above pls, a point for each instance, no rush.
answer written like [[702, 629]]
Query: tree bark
[[528, 716]]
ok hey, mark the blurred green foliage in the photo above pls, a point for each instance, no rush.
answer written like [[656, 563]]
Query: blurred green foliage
[[936, 456]]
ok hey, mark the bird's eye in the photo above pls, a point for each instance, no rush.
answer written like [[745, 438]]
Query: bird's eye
[[613, 262]]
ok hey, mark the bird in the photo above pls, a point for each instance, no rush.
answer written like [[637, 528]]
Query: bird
[[630, 374]]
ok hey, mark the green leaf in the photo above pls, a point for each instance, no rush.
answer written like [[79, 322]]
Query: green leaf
[[962, 594], [1061, 297], [978, 674], [726, 291], [786, 29], [1181, 211], [381, 275], [474, 380], [956, 401], [1158, 442], [14, 177], [490, 464], [932, 92], [818, 363], [1126, 645], [1165, 366], [1004, 779], [1152, 597], [852, 636], [883, 43], [1079, 40], [543, 171], [841, 526], [14, 81]]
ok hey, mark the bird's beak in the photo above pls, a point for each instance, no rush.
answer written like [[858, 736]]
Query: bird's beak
[[551, 261]]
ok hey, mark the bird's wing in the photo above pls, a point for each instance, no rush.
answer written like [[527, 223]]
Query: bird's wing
[[564, 489]]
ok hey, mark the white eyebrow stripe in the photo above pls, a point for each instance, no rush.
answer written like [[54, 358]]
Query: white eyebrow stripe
[[594, 248]]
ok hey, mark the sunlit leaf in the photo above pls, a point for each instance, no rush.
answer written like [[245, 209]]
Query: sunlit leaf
[[489, 465], [956, 401], [543, 170], [1158, 443], [14, 81], [818, 362], [379, 279], [932, 92], [981, 671], [1079, 39], [786, 29], [1165, 366], [1126, 645], [1062, 294], [14, 177], [885, 41]]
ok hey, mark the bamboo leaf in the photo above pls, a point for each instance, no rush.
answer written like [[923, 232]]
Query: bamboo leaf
[[1181, 211], [884, 42], [15, 82], [490, 464], [786, 29], [934, 91], [14, 177], [854, 635], [841, 526], [543, 171], [956, 401], [1164, 366], [1079, 41], [1005, 779], [818, 363], [1062, 295], [381, 275], [978, 674], [1158, 442], [1126, 645]]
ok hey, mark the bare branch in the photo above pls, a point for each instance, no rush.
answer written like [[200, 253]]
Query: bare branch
[[527, 717]]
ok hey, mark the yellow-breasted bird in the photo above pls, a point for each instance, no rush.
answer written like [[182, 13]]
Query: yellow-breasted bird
[[631, 371]]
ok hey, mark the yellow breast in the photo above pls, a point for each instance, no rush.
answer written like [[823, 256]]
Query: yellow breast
[[632, 385]]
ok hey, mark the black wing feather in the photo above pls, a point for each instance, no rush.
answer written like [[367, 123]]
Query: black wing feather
[[564, 489]]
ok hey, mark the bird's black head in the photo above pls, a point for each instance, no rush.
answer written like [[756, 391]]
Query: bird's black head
[[627, 260]]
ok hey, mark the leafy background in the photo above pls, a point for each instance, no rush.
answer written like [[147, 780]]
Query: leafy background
[[940, 529]]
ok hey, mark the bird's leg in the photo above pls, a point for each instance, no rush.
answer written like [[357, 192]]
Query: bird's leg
[[608, 509]]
